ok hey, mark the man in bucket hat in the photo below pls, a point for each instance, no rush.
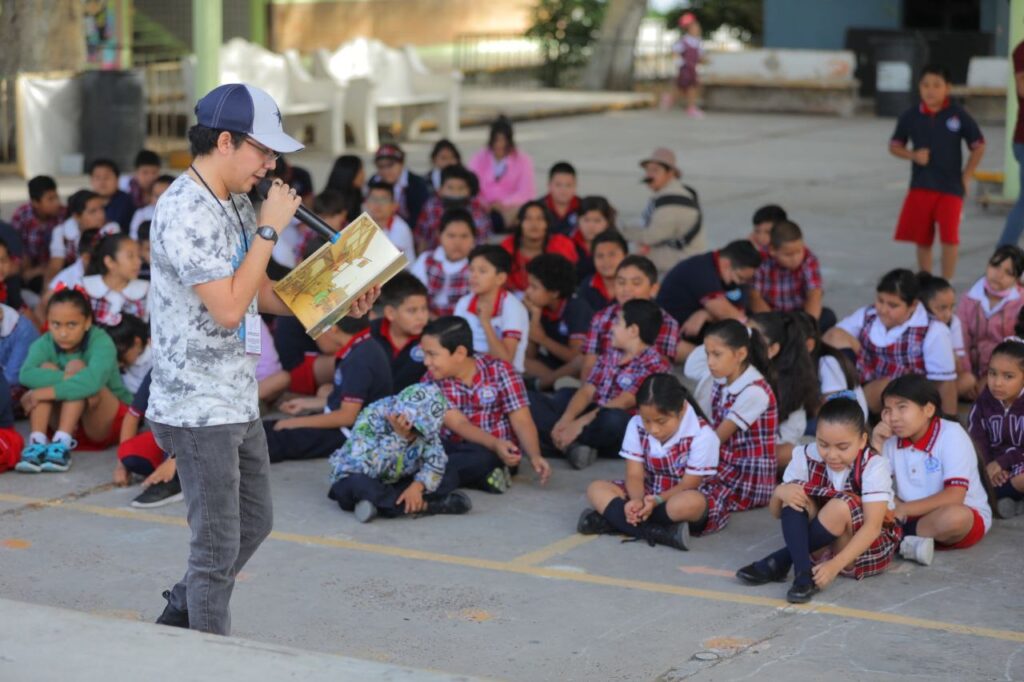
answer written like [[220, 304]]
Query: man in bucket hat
[[209, 259]]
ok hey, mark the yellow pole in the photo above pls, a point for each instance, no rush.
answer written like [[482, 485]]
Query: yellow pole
[[1011, 171]]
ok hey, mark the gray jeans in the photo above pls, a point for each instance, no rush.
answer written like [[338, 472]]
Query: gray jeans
[[225, 475]]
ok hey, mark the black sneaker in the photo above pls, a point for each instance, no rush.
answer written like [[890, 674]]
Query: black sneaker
[[593, 523], [580, 456], [801, 593], [762, 572], [171, 616], [159, 494], [671, 536], [457, 502]]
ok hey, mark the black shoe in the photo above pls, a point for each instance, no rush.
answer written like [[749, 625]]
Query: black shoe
[[671, 536], [159, 494], [580, 456], [802, 592], [172, 616], [754, 574], [593, 523], [457, 502]]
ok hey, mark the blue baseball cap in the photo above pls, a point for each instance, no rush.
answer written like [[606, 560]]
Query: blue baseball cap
[[243, 108]]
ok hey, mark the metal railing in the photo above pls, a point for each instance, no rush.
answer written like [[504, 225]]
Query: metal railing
[[167, 105]]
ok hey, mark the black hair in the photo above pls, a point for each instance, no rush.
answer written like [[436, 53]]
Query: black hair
[[1018, 328], [1010, 252], [354, 325], [381, 186], [79, 200], [501, 126], [843, 410], [457, 215], [797, 383], [103, 163], [451, 332], [742, 254], [901, 283], [812, 331], [770, 213], [124, 333], [495, 255], [917, 389], [460, 172], [75, 298], [147, 157], [108, 246], [203, 140], [610, 236], [444, 144], [784, 232], [331, 202], [144, 230], [549, 223], [666, 394], [929, 286], [641, 263], [400, 287], [561, 168], [88, 240], [646, 315], [1012, 347], [40, 185], [344, 172], [165, 178], [936, 70], [4, 246], [735, 335], [602, 206], [554, 272]]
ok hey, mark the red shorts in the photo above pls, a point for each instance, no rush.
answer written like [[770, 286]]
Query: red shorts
[[922, 210], [144, 446], [303, 378], [11, 445], [86, 443], [974, 535]]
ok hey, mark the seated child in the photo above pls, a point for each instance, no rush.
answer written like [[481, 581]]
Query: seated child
[[144, 270], [994, 424], [85, 212], [835, 370], [596, 217], [405, 314], [939, 298], [73, 276], [17, 333], [533, 235], [34, 222], [337, 208], [561, 200], [73, 379], [271, 378], [445, 269], [381, 205], [499, 322], [896, 336], [118, 205], [11, 442], [488, 424], [112, 279], [764, 219], [458, 192], [559, 320], [609, 249], [145, 213], [790, 278], [131, 341], [591, 420], [834, 506], [939, 495], [670, 452], [309, 363], [140, 184], [362, 375], [394, 462]]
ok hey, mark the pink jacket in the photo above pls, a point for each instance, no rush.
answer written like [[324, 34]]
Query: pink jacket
[[982, 334], [515, 186]]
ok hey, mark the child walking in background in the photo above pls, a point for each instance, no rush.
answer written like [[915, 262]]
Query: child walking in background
[[690, 53]]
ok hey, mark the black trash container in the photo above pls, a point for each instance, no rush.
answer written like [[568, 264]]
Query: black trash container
[[113, 121], [898, 63]]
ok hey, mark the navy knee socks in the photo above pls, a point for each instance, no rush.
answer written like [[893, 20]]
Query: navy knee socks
[[802, 538], [1007, 490]]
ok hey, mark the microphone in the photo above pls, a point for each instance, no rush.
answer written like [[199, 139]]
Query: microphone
[[312, 220]]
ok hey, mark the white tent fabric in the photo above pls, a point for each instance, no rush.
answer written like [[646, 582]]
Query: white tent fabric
[[48, 111]]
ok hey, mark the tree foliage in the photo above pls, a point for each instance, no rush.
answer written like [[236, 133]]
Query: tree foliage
[[566, 29], [746, 15]]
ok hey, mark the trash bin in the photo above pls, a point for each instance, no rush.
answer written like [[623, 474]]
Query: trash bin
[[113, 119], [898, 60]]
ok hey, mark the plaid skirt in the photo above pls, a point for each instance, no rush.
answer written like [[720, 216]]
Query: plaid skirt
[[875, 558], [717, 512]]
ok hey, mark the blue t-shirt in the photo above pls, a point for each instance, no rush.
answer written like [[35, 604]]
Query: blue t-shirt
[[940, 132]]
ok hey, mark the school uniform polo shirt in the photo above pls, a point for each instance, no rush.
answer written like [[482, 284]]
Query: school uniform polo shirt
[[941, 132], [509, 319], [570, 322], [751, 400], [692, 450], [611, 377], [939, 359], [943, 458], [406, 362], [362, 373], [876, 479], [564, 224], [692, 283], [595, 293]]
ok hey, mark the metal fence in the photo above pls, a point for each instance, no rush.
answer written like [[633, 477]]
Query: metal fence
[[167, 105]]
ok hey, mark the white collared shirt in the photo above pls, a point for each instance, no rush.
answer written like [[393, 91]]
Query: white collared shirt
[[450, 269], [751, 401], [876, 480], [701, 459], [510, 321], [977, 292], [939, 359], [833, 380]]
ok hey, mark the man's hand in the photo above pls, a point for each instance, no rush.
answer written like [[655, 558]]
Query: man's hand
[[279, 207], [921, 156], [364, 303]]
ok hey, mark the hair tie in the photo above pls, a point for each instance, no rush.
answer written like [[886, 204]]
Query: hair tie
[[109, 318], [847, 394], [61, 286], [1013, 339], [109, 230]]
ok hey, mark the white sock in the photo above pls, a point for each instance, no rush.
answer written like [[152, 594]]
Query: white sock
[[37, 438], [62, 437]]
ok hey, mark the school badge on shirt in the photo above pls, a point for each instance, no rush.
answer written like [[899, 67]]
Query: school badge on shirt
[[487, 395], [416, 353], [953, 123], [624, 381]]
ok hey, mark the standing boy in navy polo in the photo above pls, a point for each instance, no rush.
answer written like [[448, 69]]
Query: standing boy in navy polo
[[938, 178], [398, 332]]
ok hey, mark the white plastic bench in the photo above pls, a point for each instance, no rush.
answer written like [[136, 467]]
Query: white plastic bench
[[984, 95], [385, 84], [303, 99]]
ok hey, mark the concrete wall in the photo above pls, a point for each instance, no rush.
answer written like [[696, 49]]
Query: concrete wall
[[822, 24]]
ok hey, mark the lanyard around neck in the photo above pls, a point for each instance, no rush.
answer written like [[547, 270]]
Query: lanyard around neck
[[241, 225]]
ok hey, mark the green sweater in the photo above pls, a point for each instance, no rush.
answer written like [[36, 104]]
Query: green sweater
[[99, 356]]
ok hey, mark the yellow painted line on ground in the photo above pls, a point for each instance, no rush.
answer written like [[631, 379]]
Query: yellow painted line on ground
[[554, 549], [559, 574]]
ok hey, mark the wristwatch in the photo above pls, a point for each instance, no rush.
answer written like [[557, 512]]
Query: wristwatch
[[268, 233]]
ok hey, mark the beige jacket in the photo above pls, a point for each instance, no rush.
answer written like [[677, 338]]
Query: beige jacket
[[669, 223]]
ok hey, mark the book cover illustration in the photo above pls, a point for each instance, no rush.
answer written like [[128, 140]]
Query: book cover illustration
[[321, 289]]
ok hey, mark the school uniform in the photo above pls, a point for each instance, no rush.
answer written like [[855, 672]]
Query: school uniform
[[119, 209], [557, 244], [868, 480], [109, 305], [406, 362], [943, 458], [70, 277], [509, 318], [427, 231], [920, 345], [786, 290], [599, 337], [565, 223], [446, 281], [693, 450], [362, 374], [792, 427], [593, 290], [400, 234], [569, 322], [16, 336], [694, 282], [140, 454], [610, 377], [983, 326], [497, 391], [998, 431], [832, 379]]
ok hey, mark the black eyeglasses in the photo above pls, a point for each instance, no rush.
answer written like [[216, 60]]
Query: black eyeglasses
[[269, 154]]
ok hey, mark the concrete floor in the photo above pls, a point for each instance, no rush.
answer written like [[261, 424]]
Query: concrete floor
[[510, 591]]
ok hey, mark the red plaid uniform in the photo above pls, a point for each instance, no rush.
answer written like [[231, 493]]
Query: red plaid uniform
[[877, 557], [428, 227], [497, 390], [102, 309], [611, 378], [35, 233], [906, 356], [784, 289], [599, 338], [1017, 469], [458, 285], [746, 466]]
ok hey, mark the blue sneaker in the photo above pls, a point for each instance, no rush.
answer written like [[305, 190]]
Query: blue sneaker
[[32, 458], [58, 457]]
